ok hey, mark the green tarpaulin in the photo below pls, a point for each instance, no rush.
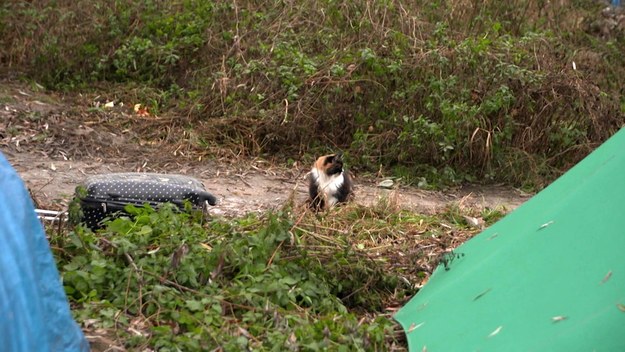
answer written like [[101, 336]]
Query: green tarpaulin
[[550, 276]]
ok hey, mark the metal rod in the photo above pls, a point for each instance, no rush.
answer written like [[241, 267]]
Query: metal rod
[[51, 215], [50, 212]]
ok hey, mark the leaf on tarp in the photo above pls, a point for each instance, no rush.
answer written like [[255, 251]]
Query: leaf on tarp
[[495, 332], [558, 318]]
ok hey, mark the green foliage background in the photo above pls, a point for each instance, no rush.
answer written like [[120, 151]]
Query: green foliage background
[[441, 91]]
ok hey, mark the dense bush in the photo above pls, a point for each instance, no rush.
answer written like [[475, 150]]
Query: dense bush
[[514, 91]]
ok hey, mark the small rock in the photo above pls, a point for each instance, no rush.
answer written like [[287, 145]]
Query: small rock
[[388, 184]]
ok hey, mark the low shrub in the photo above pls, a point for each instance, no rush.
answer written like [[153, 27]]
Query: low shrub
[[447, 92]]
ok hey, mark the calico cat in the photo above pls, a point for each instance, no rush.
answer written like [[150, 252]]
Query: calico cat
[[328, 183]]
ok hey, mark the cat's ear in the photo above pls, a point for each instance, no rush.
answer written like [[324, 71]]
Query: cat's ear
[[339, 156], [320, 163]]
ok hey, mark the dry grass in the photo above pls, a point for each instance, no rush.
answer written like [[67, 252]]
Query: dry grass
[[486, 89], [399, 242], [385, 241]]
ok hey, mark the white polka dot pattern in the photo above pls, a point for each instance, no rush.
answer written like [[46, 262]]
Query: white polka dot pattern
[[110, 193]]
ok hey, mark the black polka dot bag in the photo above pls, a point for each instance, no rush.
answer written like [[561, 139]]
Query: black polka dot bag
[[106, 195]]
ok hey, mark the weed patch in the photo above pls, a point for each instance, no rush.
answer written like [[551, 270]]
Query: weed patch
[[285, 280], [252, 283], [441, 93]]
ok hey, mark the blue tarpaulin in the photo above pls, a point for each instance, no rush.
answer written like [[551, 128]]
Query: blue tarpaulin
[[34, 311]]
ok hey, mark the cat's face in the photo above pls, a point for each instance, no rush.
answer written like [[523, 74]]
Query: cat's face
[[330, 164]]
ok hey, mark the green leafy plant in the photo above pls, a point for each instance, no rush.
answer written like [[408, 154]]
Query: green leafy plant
[[446, 92], [254, 283]]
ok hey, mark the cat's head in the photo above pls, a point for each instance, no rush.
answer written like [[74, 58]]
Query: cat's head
[[330, 164]]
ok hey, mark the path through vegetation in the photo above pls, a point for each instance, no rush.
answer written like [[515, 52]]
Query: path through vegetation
[[54, 151]]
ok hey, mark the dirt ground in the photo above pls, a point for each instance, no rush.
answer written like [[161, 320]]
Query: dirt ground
[[247, 189], [55, 142]]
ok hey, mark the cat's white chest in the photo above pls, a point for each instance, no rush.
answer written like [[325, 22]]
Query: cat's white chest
[[329, 185]]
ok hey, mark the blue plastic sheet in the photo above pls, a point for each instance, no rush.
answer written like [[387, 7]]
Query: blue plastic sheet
[[34, 311]]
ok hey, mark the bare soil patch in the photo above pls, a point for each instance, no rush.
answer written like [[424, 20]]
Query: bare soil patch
[[254, 187]]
